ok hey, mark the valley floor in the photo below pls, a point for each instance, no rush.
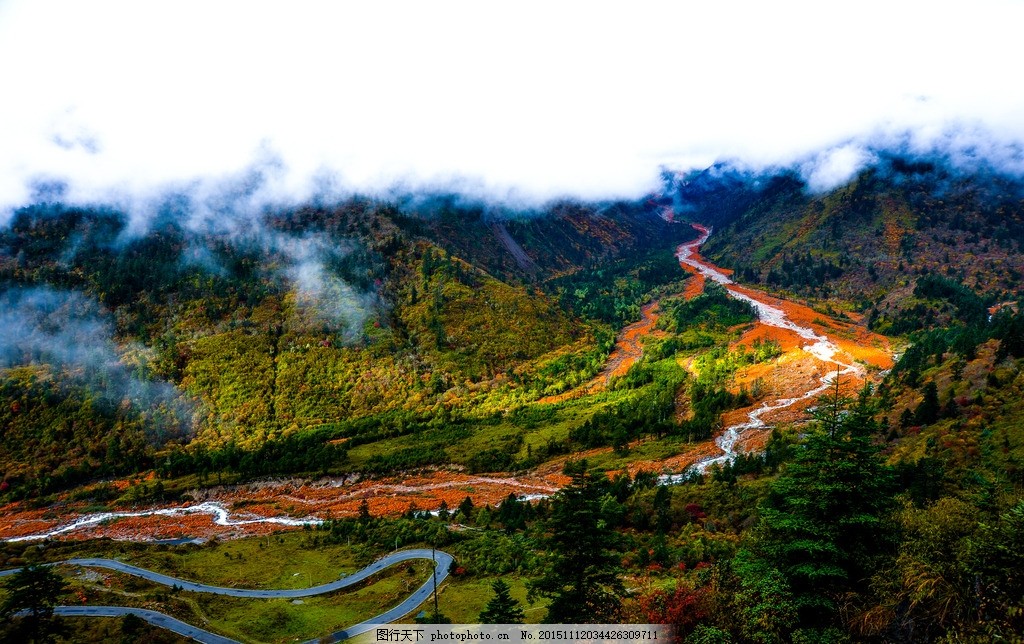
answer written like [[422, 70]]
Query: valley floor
[[814, 346]]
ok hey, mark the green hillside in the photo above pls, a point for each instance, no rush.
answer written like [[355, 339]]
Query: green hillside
[[305, 321], [866, 246], [376, 338]]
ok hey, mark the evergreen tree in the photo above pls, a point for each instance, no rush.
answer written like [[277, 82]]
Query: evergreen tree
[[906, 419], [821, 525], [503, 608], [511, 513], [466, 508], [32, 593], [581, 577], [663, 508], [928, 411]]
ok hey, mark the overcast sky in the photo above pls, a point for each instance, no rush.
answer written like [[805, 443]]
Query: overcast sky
[[516, 100]]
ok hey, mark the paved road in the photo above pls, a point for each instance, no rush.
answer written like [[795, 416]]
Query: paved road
[[443, 562], [153, 617], [411, 602]]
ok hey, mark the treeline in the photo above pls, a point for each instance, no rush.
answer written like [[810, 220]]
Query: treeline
[[324, 450], [802, 271], [614, 292], [310, 452], [648, 413], [930, 347], [712, 310], [938, 300], [707, 402]]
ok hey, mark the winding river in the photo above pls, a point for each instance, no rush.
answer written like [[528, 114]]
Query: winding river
[[816, 344], [820, 346], [221, 516]]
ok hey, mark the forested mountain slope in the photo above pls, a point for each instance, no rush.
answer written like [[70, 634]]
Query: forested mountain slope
[[350, 362], [897, 244], [235, 331]]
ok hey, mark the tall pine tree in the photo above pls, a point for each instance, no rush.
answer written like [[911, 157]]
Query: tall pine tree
[[822, 526], [27, 611], [503, 608], [581, 576]]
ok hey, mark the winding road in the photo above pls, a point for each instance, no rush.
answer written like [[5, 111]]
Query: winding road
[[442, 561]]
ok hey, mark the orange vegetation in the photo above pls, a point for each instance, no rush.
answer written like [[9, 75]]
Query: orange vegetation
[[628, 349], [790, 376], [679, 462], [694, 285], [856, 341], [324, 499], [1012, 306]]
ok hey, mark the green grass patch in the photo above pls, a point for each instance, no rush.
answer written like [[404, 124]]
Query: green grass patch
[[276, 561], [520, 434], [651, 450], [462, 600], [284, 620]]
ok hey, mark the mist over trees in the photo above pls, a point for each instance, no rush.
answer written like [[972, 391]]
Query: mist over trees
[[361, 338]]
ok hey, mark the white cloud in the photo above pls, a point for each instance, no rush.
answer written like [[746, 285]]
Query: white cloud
[[530, 99], [834, 167]]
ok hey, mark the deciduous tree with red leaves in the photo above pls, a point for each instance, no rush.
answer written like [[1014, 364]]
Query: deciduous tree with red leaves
[[683, 607]]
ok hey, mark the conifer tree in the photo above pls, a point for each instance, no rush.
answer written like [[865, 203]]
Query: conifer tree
[[32, 593], [502, 608], [466, 508], [582, 575], [821, 526], [928, 411]]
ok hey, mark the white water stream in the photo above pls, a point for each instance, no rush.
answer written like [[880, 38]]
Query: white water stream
[[221, 516], [819, 346]]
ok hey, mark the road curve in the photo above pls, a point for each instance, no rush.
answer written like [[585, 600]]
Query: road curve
[[407, 606], [442, 560], [155, 618]]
